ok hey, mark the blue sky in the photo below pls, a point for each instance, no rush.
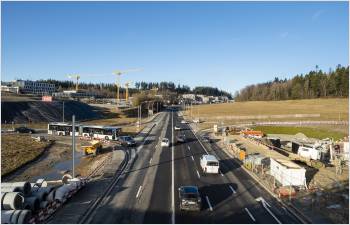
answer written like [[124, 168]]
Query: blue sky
[[222, 44]]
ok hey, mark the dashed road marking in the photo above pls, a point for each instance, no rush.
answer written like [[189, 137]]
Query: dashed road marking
[[232, 189], [199, 176], [210, 208], [189, 148], [250, 215], [139, 192], [192, 157]]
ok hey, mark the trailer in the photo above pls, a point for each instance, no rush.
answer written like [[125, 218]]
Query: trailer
[[287, 173]]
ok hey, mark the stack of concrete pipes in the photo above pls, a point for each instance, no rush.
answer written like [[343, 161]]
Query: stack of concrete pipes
[[24, 202]]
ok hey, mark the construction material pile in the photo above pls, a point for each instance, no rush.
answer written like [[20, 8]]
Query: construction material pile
[[25, 202]]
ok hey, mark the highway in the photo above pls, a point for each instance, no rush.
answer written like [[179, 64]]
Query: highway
[[149, 191]]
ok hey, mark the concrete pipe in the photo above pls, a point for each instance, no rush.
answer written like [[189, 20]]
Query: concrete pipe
[[44, 204], [62, 192], [66, 178], [51, 196], [11, 200], [15, 216], [76, 182], [31, 203], [41, 193], [23, 187]]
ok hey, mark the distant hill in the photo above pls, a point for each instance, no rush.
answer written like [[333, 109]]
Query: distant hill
[[38, 111], [315, 84]]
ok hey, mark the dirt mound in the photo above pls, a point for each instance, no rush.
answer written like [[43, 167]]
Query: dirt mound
[[38, 111]]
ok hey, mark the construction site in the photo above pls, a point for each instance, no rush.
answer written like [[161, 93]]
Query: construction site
[[308, 174]]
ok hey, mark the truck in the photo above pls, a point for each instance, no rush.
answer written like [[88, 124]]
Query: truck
[[309, 155], [94, 149]]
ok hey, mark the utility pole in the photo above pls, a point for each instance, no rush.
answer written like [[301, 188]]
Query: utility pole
[[73, 143], [63, 113]]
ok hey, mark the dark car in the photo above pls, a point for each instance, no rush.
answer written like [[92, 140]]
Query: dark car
[[207, 139], [190, 198], [181, 138], [127, 141], [24, 130]]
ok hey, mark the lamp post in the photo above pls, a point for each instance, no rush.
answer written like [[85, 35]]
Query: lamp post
[[73, 144]]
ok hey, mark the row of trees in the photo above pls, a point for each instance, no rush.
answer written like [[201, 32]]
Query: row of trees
[[315, 84], [181, 89], [109, 89]]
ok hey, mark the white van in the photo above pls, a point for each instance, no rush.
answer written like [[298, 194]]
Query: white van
[[209, 164]]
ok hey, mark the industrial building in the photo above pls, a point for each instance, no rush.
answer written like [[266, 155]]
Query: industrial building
[[28, 87]]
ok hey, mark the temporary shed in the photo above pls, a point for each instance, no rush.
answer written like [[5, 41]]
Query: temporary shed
[[287, 172]]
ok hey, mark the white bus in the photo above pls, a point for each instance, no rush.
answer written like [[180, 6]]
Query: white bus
[[100, 132], [62, 129], [209, 164], [97, 132]]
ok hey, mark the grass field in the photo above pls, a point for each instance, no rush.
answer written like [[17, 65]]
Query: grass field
[[329, 109], [308, 131], [259, 111], [18, 149]]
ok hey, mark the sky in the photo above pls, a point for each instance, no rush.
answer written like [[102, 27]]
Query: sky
[[222, 44]]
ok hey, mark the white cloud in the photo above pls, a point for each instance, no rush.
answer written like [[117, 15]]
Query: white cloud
[[317, 14]]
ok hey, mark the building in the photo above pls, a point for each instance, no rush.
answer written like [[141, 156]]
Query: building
[[10, 89], [189, 96], [75, 94], [33, 87]]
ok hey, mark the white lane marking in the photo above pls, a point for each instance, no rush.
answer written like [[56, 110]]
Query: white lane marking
[[192, 157], [250, 215], [139, 192], [198, 140], [172, 171], [210, 208], [221, 174], [189, 148], [232, 189], [150, 161], [199, 176], [265, 204]]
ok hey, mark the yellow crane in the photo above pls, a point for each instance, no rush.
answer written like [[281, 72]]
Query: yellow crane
[[127, 90], [119, 73], [76, 77]]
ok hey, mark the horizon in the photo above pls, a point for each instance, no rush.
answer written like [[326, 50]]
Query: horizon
[[191, 43]]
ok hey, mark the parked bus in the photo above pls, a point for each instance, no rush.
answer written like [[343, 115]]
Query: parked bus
[[97, 132]]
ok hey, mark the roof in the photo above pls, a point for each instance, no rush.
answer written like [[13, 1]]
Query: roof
[[288, 164], [190, 189], [210, 158]]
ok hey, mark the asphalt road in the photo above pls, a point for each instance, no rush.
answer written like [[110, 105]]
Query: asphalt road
[[149, 191]]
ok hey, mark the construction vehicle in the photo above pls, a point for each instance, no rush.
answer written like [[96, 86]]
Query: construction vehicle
[[94, 149]]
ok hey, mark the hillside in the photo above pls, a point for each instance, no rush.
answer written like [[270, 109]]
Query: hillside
[[38, 111]]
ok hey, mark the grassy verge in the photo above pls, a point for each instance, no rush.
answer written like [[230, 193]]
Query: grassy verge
[[308, 131], [18, 149]]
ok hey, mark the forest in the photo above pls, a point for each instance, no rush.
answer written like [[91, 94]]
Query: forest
[[315, 84]]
